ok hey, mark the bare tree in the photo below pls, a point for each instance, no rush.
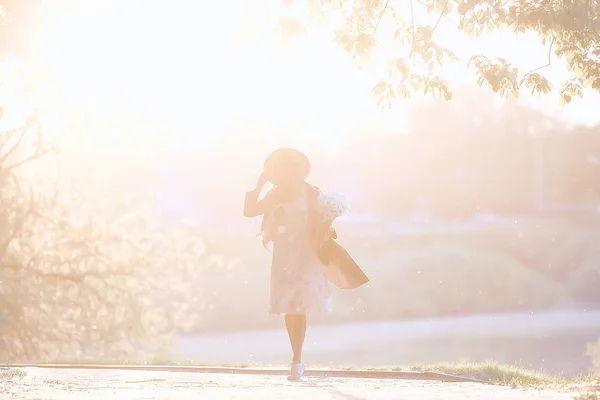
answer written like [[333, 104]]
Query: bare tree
[[80, 276]]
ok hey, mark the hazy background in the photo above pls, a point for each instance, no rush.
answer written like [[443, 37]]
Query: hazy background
[[476, 220]]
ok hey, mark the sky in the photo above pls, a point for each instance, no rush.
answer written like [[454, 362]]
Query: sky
[[123, 76]]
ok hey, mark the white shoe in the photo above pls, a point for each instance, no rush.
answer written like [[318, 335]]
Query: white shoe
[[296, 371]]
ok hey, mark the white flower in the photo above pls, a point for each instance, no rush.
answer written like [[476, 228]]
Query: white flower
[[332, 205]]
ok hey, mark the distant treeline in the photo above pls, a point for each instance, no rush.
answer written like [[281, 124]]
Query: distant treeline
[[470, 156], [464, 173]]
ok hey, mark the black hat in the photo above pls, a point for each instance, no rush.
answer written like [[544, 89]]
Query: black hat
[[286, 164]]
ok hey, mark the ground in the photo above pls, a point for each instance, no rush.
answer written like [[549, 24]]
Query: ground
[[64, 384], [553, 341]]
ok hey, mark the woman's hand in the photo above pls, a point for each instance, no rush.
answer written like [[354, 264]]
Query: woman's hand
[[262, 180], [324, 233], [253, 207]]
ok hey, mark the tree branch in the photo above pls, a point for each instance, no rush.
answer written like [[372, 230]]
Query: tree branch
[[549, 57], [6, 134], [18, 229], [380, 17], [16, 145], [442, 14], [474, 14], [30, 158]]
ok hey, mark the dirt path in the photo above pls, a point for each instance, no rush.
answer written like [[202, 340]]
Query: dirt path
[[54, 384]]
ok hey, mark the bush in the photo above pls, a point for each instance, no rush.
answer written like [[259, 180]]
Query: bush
[[85, 274], [110, 285]]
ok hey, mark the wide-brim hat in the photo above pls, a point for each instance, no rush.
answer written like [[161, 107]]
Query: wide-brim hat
[[286, 164]]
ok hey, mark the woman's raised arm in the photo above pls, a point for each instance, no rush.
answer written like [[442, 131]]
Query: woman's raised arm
[[253, 207]]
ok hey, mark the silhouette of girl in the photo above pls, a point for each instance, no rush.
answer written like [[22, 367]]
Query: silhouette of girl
[[297, 220]]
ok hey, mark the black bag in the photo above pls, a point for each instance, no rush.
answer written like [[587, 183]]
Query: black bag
[[340, 268]]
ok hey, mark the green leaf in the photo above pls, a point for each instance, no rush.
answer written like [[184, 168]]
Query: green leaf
[[469, 30], [573, 41]]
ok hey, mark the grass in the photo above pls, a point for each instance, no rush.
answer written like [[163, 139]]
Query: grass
[[499, 374], [11, 375], [506, 375], [536, 263], [588, 396]]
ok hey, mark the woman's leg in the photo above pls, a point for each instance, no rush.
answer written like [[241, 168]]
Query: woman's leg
[[296, 328]]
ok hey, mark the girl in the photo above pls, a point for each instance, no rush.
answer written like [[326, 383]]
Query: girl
[[297, 220]]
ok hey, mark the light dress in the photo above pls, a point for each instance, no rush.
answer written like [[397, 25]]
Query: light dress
[[298, 281]]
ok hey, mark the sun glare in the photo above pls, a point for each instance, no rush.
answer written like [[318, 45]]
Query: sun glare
[[192, 79], [134, 72]]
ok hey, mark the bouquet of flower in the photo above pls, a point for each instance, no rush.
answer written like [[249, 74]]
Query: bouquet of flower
[[332, 205]]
